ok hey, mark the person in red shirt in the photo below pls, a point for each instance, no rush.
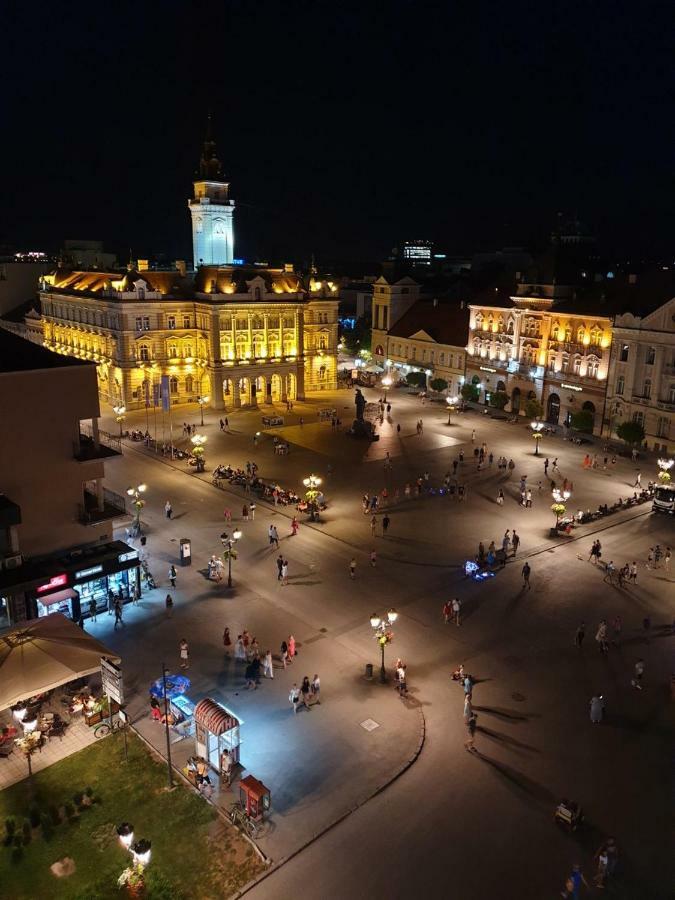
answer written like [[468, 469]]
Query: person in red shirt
[[447, 611]]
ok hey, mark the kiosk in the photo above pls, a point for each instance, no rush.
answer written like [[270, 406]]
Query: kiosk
[[254, 797], [216, 733]]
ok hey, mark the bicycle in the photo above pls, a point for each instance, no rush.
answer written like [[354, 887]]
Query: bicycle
[[240, 819], [105, 728]]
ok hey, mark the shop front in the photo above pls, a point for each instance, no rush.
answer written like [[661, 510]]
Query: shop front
[[67, 583]]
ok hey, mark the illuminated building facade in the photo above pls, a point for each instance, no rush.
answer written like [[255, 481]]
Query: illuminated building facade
[[242, 336], [212, 212]]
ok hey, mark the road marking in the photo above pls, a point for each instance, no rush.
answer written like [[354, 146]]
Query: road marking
[[370, 725]]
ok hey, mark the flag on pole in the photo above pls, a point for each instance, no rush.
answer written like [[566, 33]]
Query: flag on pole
[[166, 400]]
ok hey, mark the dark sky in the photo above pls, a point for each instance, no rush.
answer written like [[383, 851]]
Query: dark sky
[[343, 128]]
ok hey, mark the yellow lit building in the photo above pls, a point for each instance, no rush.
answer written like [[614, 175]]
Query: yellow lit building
[[243, 336]]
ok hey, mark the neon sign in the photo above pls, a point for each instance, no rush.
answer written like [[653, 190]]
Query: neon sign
[[54, 582]]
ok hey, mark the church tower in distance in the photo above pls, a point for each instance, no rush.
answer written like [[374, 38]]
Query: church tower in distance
[[212, 211]]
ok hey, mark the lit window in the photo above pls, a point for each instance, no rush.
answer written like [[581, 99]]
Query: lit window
[[144, 352], [173, 384], [623, 356], [186, 321]]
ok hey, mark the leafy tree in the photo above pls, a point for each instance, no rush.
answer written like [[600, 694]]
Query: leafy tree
[[499, 399], [416, 379], [583, 421], [631, 432], [533, 409], [469, 392], [438, 384], [358, 338]]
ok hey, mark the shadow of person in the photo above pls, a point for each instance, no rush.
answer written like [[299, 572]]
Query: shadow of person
[[506, 739], [521, 784]]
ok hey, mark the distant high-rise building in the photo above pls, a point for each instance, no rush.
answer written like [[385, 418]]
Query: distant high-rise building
[[212, 211], [416, 253]]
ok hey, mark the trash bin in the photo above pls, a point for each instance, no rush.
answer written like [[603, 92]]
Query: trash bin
[[185, 552], [369, 671]]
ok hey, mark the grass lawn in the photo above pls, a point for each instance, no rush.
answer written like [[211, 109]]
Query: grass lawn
[[194, 855]]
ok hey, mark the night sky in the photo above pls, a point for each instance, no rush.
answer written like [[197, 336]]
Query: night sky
[[342, 127]]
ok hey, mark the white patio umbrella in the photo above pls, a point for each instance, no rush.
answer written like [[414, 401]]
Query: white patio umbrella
[[43, 654]]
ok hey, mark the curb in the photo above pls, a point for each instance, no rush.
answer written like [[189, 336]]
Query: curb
[[315, 837]]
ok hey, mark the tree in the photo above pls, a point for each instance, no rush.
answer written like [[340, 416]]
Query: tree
[[416, 379], [533, 409], [582, 421], [438, 384], [499, 399], [358, 338], [631, 432], [469, 392]]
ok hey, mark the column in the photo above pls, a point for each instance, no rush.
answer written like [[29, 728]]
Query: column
[[300, 344], [214, 362], [99, 494], [217, 400], [236, 395]]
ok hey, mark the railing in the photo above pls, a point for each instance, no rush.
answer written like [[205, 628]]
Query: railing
[[665, 404], [85, 449], [114, 506]]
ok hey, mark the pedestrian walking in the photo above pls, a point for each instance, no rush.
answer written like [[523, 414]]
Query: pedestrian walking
[[222, 425], [546, 465], [244, 512], [616, 630], [251, 511], [92, 609], [528, 499], [285, 659], [184, 653], [515, 541], [316, 689], [373, 558], [447, 611], [284, 573], [555, 465], [305, 690], [526, 574], [172, 575], [666, 559], [268, 668], [135, 595], [638, 480], [274, 535], [638, 674], [228, 514], [468, 709], [469, 743], [294, 697], [456, 611], [227, 641], [402, 678], [118, 613], [597, 708], [500, 497], [373, 525], [601, 637], [294, 526], [633, 572], [168, 509], [385, 524], [580, 635], [168, 603], [352, 568], [280, 565]]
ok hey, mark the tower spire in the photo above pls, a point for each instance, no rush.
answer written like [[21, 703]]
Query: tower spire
[[209, 164]]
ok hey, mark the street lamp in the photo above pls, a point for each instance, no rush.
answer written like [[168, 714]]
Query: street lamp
[[139, 503], [202, 401], [125, 832], [383, 635], [558, 506], [452, 406], [386, 384], [537, 428], [119, 416], [198, 441], [141, 852], [312, 483], [230, 553], [665, 465]]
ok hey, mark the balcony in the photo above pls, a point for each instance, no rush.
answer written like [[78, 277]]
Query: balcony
[[87, 449], [113, 507], [639, 398], [666, 404]]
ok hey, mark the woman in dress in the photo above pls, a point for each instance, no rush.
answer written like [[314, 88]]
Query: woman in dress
[[227, 641]]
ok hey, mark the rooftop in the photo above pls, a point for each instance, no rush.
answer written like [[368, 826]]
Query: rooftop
[[446, 323], [19, 355]]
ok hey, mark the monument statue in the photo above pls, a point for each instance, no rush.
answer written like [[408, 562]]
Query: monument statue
[[360, 401]]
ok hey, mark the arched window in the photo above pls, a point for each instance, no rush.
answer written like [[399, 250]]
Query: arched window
[[258, 345], [288, 345], [592, 367], [273, 345], [479, 320], [554, 331], [173, 384], [647, 390], [568, 333], [322, 373], [189, 383], [581, 334], [576, 365], [510, 326], [241, 346], [596, 335]]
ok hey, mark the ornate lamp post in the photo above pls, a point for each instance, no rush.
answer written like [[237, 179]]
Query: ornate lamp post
[[202, 402], [198, 441], [312, 483], [139, 503], [230, 553], [119, 416], [452, 406], [383, 635], [386, 384], [537, 428], [560, 498], [665, 465]]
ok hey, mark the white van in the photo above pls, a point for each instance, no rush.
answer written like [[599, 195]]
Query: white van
[[664, 499]]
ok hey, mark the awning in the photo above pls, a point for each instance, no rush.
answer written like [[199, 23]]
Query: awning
[[43, 654], [214, 717], [58, 597]]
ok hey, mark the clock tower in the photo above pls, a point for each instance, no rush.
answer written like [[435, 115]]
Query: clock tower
[[212, 211]]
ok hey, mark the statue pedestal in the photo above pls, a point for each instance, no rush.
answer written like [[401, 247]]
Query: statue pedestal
[[363, 429]]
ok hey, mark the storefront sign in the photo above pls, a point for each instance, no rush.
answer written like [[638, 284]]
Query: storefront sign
[[111, 678], [54, 582], [571, 387], [125, 557], [487, 369], [87, 573]]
